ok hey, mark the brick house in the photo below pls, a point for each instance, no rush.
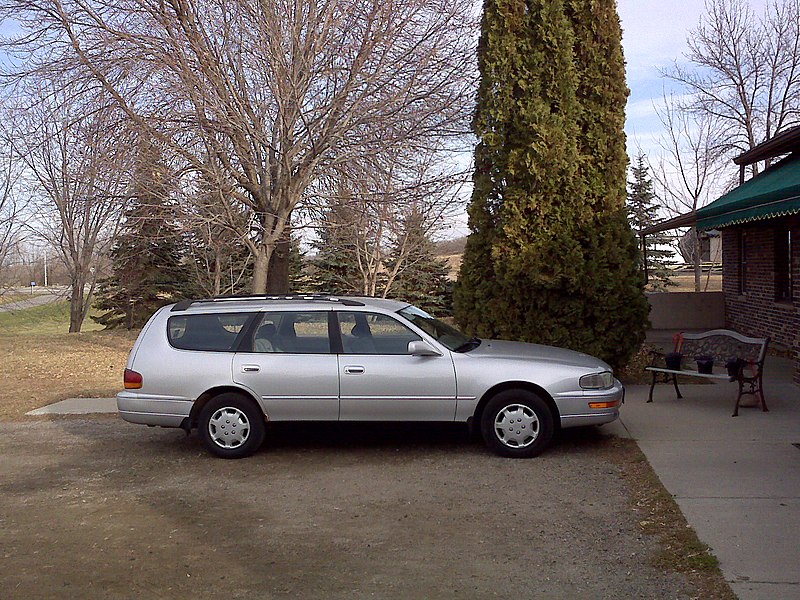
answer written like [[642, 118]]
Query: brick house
[[759, 224]]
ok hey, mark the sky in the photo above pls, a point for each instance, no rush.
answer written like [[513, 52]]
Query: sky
[[653, 37]]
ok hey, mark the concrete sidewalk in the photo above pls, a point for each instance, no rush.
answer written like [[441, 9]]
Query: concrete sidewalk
[[737, 480], [77, 406]]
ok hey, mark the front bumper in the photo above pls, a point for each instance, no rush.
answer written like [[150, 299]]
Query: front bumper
[[576, 412]]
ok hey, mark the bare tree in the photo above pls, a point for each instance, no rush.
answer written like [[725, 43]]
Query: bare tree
[[744, 71], [280, 92], [10, 222], [692, 170], [75, 152], [372, 215], [217, 253]]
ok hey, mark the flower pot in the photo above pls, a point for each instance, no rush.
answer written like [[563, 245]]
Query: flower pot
[[673, 360], [734, 366], [705, 364]]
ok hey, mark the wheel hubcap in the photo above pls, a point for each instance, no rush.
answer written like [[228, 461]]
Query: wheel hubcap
[[229, 427], [517, 426]]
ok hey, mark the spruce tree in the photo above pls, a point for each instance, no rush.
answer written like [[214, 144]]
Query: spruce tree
[[147, 258], [643, 212], [547, 213], [422, 278], [299, 278], [334, 270]]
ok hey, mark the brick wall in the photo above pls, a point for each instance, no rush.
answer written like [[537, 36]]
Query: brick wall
[[756, 312]]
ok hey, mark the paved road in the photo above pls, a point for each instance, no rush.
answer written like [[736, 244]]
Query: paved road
[[38, 298]]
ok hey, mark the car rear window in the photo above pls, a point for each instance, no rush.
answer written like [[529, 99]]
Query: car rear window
[[216, 333]]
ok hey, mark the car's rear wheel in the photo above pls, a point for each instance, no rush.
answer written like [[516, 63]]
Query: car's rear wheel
[[231, 426], [517, 424]]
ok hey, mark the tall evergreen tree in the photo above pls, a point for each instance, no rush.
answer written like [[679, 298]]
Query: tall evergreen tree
[[642, 213], [524, 162], [614, 303], [551, 258], [148, 271], [335, 268], [299, 278], [422, 277]]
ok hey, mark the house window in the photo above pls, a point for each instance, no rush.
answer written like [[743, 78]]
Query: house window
[[783, 264], [742, 243]]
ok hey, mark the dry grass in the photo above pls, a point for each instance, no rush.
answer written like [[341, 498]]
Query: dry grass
[[685, 282], [43, 364]]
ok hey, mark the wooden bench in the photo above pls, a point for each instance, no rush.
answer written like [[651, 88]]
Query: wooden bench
[[723, 346]]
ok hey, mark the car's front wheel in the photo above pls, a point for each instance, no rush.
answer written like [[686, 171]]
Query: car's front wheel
[[231, 426], [517, 424]]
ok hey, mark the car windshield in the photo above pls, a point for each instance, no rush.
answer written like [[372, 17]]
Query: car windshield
[[445, 334]]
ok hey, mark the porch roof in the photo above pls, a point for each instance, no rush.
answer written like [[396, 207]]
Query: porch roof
[[772, 193]]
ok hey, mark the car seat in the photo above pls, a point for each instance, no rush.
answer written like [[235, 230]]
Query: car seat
[[362, 342], [265, 339]]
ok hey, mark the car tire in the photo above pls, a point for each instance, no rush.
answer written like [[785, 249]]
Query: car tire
[[231, 426], [517, 424]]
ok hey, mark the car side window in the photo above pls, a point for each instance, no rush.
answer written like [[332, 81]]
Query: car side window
[[292, 333], [373, 333], [212, 333]]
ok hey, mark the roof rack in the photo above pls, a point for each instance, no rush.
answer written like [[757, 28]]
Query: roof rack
[[345, 301]]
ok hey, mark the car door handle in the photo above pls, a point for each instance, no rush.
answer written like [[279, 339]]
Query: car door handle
[[251, 368], [354, 370]]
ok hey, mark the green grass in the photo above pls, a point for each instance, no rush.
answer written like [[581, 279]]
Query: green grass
[[48, 318]]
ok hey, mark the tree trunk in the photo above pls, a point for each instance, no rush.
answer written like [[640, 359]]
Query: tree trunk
[[76, 305], [261, 260], [278, 272]]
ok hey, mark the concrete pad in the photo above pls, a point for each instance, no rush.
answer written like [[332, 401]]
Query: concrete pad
[[77, 406], [741, 470], [736, 528], [765, 591], [736, 480]]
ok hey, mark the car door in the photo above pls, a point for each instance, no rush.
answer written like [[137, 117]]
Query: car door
[[380, 381], [289, 365]]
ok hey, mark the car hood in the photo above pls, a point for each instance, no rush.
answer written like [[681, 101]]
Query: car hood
[[537, 352]]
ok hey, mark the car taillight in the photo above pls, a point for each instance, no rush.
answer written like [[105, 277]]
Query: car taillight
[[132, 379]]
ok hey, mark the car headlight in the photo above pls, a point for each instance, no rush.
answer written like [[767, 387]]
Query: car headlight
[[597, 381]]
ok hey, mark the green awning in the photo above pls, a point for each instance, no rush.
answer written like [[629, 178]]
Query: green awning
[[773, 193]]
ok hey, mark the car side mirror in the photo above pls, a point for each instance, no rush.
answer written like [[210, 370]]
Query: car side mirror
[[422, 348]]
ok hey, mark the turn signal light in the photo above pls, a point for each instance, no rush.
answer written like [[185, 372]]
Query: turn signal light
[[611, 404], [132, 380]]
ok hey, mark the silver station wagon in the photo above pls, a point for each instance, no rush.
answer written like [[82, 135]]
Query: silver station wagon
[[228, 366]]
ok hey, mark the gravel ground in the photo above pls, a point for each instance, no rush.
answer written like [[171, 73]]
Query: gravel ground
[[97, 508]]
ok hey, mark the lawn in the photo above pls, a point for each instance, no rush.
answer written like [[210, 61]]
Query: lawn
[[42, 363]]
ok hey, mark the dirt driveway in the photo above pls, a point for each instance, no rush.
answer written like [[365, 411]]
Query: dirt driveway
[[97, 508]]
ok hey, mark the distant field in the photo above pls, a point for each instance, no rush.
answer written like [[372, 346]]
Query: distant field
[[684, 281], [42, 363]]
